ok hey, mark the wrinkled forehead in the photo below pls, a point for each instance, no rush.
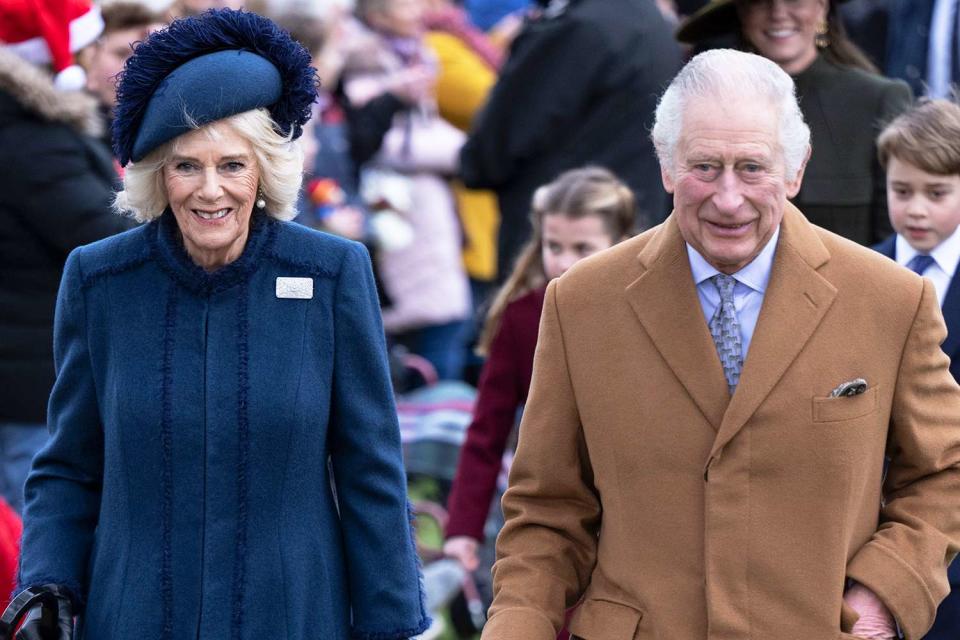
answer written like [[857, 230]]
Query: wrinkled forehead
[[741, 123], [219, 137]]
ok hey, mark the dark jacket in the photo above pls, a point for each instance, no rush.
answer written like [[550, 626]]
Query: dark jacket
[[866, 24], [947, 624], [504, 383], [578, 88], [844, 189], [56, 185], [908, 42], [224, 462]]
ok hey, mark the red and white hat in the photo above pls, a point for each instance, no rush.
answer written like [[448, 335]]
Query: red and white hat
[[50, 32]]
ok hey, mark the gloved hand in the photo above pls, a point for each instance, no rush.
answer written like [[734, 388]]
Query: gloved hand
[[57, 626]]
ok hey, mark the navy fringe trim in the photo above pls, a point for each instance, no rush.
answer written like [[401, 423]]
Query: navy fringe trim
[[170, 254], [166, 477], [401, 634], [89, 279], [425, 620], [243, 443], [212, 31]]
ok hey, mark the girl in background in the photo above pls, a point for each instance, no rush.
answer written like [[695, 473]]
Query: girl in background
[[580, 213]]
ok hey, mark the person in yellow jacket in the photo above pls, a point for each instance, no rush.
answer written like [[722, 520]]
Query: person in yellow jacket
[[468, 65]]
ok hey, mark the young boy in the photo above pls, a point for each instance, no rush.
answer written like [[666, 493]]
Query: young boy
[[920, 151]]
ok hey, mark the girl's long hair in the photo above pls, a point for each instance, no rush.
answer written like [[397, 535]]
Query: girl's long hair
[[589, 191]]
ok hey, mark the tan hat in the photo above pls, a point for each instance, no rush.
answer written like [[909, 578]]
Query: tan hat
[[716, 18]]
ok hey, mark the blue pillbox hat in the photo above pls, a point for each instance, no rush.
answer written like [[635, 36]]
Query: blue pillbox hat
[[206, 68], [205, 89]]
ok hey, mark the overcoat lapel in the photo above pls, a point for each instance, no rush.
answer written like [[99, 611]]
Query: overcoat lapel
[[796, 300], [665, 300]]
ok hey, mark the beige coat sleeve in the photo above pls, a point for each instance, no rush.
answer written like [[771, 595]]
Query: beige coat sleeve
[[905, 561], [547, 548]]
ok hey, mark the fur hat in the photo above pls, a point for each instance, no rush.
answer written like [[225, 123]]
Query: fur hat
[[50, 32], [205, 68]]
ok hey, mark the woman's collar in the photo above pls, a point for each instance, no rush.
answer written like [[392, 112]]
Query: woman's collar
[[167, 245]]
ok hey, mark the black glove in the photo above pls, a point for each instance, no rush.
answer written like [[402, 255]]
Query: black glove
[[36, 628], [46, 612]]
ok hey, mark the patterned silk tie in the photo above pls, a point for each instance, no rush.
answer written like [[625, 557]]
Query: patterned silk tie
[[919, 263], [725, 330]]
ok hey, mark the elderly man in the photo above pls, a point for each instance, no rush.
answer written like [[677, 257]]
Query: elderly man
[[702, 453]]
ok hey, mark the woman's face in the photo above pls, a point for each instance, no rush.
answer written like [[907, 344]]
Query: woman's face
[[568, 240], [784, 31], [211, 183]]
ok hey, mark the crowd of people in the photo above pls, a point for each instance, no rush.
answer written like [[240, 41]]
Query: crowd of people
[[197, 386]]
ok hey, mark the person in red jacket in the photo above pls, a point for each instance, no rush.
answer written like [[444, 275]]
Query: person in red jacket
[[580, 213], [11, 528]]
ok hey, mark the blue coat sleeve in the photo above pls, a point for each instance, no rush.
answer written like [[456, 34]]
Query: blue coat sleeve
[[384, 578], [63, 489]]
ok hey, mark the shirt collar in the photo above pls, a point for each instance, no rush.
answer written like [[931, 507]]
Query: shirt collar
[[946, 254], [755, 275]]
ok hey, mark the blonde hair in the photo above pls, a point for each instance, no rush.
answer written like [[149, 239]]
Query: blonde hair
[[926, 136], [279, 159], [590, 191]]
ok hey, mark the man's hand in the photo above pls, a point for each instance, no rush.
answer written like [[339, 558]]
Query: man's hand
[[875, 621], [464, 549]]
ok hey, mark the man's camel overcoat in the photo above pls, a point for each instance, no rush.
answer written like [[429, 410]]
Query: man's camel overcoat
[[680, 513]]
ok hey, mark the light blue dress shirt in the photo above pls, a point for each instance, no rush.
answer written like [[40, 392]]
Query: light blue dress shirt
[[748, 293]]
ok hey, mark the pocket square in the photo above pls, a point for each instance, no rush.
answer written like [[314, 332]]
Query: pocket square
[[849, 388]]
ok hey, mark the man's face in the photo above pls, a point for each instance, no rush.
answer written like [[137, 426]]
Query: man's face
[[729, 185], [924, 207], [107, 60]]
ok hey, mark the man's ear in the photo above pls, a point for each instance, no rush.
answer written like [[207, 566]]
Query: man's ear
[[667, 179], [793, 186]]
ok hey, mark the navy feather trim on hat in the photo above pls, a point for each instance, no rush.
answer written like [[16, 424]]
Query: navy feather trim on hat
[[187, 39]]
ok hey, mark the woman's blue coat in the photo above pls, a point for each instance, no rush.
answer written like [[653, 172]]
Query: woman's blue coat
[[224, 463]]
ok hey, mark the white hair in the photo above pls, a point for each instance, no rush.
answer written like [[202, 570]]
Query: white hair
[[279, 159], [727, 75]]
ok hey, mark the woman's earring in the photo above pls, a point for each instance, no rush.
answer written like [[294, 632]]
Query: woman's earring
[[821, 39], [261, 202]]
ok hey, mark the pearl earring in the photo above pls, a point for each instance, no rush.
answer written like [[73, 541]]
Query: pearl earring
[[261, 203]]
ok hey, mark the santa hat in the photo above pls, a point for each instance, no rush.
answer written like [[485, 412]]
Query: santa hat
[[50, 32]]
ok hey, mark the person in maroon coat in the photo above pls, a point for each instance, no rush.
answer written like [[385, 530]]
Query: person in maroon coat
[[580, 213]]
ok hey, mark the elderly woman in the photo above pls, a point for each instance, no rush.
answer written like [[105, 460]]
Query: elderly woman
[[842, 97], [224, 459]]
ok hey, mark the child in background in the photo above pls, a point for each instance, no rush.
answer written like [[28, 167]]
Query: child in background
[[580, 213], [920, 151], [407, 153]]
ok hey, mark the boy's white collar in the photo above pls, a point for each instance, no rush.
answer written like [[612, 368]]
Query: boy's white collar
[[946, 254]]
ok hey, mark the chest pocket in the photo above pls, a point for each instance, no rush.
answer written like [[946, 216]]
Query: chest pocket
[[605, 620], [845, 408]]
